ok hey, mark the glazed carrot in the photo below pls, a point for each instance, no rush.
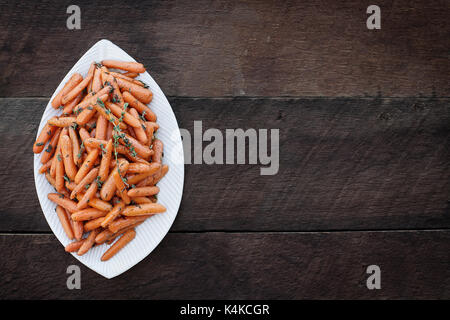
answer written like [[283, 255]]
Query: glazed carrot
[[91, 99], [90, 240], [62, 215], [87, 179], [130, 155], [141, 200], [130, 74], [78, 229], [143, 192], [146, 112], [51, 180], [76, 154], [61, 121], [139, 131], [139, 168], [84, 134], [97, 80], [122, 231], [95, 143], [63, 201], [121, 113], [142, 94], [87, 214], [70, 185], [84, 116], [122, 65], [109, 131], [124, 77], [74, 80], [68, 108], [158, 151], [122, 223], [46, 133], [116, 95], [154, 167], [105, 112], [59, 170], [119, 244], [51, 147], [113, 214], [67, 155], [149, 130], [79, 87], [109, 186], [100, 204], [46, 166], [90, 193], [74, 246], [103, 236], [93, 224], [141, 150], [143, 209], [102, 125], [120, 186], [106, 160], [157, 177], [86, 166]]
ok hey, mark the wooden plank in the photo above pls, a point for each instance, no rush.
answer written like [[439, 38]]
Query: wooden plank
[[345, 164], [237, 48], [233, 266]]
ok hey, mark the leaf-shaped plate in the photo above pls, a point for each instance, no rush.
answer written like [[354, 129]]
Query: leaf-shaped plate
[[153, 230]]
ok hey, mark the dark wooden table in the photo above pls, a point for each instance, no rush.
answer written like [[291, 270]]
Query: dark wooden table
[[364, 119]]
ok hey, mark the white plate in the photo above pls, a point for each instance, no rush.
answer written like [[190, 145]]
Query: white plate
[[153, 230]]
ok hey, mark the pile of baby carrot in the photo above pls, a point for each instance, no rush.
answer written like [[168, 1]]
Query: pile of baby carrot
[[102, 157]]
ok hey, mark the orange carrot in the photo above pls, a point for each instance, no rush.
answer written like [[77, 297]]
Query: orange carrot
[[113, 214], [93, 224], [119, 244], [121, 113], [87, 214], [106, 160], [67, 155], [86, 166], [68, 108], [143, 209], [51, 147], [63, 218], [63, 201], [46, 134], [146, 112], [122, 65], [74, 80], [139, 131], [87, 179], [79, 87], [74, 246], [100, 204], [90, 240], [90, 193], [143, 192], [76, 154], [120, 186], [102, 125], [142, 94]]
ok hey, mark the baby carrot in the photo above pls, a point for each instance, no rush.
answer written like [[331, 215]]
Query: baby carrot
[[63, 218], [74, 80], [87, 179], [90, 193], [86, 166], [146, 112], [143, 192], [74, 246], [142, 94], [113, 214], [121, 113], [90, 240], [63, 201], [47, 132], [79, 87], [106, 159], [119, 244], [122, 65], [51, 147], [87, 214], [143, 209], [67, 155]]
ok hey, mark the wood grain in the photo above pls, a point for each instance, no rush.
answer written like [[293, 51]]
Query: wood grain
[[345, 164], [237, 48], [234, 266]]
